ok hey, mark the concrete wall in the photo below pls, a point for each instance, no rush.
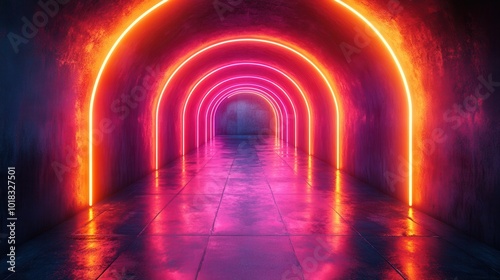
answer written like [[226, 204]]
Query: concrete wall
[[244, 115]]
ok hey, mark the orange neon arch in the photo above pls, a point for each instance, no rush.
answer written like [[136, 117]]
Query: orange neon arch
[[183, 132], [407, 91], [278, 117], [349, 8], [255, 88], [96, 85]]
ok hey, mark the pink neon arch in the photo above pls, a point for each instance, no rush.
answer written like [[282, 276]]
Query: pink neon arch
[[240, 90], [245, 87], [239, 64], [248, 64], [275, 111], [254, 85], [206, 95], [261, 41], [257, 78], [219, 102]]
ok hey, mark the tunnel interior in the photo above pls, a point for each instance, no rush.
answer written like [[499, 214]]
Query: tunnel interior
[[401, 95], [245, 115]]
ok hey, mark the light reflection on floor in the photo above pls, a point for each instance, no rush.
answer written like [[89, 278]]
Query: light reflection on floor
[[243, 208]]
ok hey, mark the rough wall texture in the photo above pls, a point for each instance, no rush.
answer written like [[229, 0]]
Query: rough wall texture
[[247, 115]]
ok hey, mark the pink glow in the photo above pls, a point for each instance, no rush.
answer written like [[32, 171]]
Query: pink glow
[[278, 117], [240, 87], [254, 85], [229, 95], [233, 91], [250, 64], [261, 41]]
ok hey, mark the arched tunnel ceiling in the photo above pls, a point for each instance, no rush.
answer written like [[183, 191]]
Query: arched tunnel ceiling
[[175, 30], [366, 83], [246, 112]]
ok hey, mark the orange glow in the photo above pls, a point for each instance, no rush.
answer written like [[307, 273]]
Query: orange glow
[[337, 184], [92, 227], [96, 85], [91, 214], [338, 202], [408, 95], [338, 143], [411, 268], [411, 223]]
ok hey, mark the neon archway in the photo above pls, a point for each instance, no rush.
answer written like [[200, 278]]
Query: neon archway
[[251, 40], [341, 3], [407, 92], [226, 94], [226, 67], [254, 88], [215, 108], [253, 78], [278, 115]]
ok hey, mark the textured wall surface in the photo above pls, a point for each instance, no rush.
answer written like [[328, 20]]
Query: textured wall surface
[[448, 49], [247, 115]]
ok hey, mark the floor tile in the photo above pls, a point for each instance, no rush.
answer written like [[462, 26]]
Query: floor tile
[[245, 208]]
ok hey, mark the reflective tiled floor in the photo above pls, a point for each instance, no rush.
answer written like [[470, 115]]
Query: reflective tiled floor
[[244, 208]]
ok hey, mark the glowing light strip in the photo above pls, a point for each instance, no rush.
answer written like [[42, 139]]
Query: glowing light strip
[[96, 85], [408, 94], [222, 95], [229, 95], [253, 78], [201, 103], [246, 87], [183, 129], [268, 92], [136, 21], [236, 92], [268, 81], [253, 40], [214, 109]]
